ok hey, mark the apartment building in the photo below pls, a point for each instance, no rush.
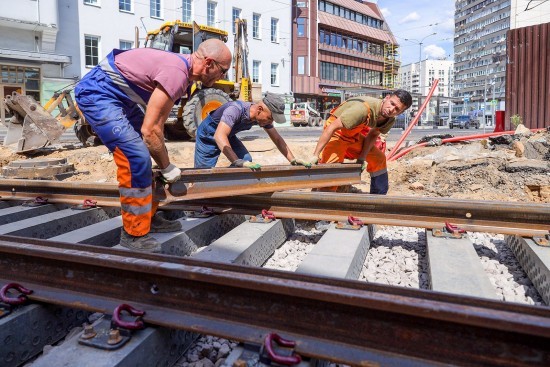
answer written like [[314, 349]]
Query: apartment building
[[337, 44], [412, 76], [49, 44], [480, 56]]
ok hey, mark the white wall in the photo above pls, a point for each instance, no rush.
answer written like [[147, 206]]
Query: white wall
[[262, 49], [112, 25], [525, 13], [35, 11]]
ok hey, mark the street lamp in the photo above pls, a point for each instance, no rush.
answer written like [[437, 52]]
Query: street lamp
[[419, 43]]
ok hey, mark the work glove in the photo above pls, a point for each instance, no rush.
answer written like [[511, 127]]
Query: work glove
[[170, 174], [301, 162], [362, 163], [242, 163], [311, 161]]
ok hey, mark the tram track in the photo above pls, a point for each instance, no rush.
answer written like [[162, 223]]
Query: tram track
[[333, 319]]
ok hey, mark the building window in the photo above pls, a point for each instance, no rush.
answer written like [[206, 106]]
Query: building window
[[275, 74], [91, 49], [211, 14], [92, 2], [301, 27], [236, 15], [301, 4], [125, 45], [274, 30], [186, 10], [301, 65], [256, 25], [256, 71], [155, 9], [125, 5]]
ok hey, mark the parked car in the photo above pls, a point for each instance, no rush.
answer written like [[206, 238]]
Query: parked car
[[464, 122]]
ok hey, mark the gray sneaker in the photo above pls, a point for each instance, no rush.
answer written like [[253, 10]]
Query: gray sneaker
[[139, 243], [160, 224]]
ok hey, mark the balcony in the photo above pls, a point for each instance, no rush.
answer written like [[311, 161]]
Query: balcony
[[348, 52]]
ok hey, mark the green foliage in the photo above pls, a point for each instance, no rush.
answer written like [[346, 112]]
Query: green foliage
[[516, 120]]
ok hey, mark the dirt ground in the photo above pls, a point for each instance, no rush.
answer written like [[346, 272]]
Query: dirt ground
[[515, 168]]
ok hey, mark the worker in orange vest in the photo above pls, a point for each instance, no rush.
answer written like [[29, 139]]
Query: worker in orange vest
[[352, 131]]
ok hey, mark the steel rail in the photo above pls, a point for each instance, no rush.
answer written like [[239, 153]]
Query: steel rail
[[524, 219], [194, 184], [340, 320], [527, 219]]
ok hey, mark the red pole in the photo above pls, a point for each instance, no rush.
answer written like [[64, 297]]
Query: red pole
[[414, 121]]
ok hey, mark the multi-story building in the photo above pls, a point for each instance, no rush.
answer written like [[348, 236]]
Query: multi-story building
[[412, 76], [49, 44], [339, 44], [480, 56]]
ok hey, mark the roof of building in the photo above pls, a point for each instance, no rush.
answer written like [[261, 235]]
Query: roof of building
[[357, 28], [364, 8]]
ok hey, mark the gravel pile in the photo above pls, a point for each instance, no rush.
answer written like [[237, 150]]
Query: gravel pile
[[208, 351], [300, 243], [397, 256], [505, 273]]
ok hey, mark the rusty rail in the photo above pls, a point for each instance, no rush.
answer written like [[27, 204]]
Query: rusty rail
[[525, 219], [340, 320], [194, 184]]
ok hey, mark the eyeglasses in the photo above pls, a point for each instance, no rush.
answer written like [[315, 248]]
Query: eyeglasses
[[224, 71]]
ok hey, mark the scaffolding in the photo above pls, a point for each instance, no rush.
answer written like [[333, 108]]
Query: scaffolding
[[391, 66]]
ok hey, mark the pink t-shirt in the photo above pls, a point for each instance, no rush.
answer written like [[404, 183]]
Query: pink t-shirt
[[149, 67]]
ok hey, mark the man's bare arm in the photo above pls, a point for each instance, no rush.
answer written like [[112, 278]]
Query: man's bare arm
[[152, 130], [326, 135], [221, 136], [368, 143]]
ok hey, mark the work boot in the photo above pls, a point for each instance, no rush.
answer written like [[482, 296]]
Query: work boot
[[160, 224], [144, 243]]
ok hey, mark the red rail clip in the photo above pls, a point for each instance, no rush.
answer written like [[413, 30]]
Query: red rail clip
[[266, 214], [453, 229], [285, 360], [14, 301], [355, 221], [137, 324]]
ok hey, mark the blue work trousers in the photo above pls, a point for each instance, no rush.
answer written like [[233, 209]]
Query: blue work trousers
[[206, 149]]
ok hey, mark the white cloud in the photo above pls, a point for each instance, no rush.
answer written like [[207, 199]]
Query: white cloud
[[448, 25], [385, 12], [411, 17], [433, 52]]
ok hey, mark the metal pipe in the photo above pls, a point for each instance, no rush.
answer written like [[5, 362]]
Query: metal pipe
[[414, 121]]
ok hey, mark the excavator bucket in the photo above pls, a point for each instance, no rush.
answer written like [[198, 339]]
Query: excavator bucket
[[32, 126]]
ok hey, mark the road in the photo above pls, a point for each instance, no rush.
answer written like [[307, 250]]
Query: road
[[290, 132], [309, 133]]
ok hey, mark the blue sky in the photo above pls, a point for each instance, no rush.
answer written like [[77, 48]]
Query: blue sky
[[416, 19]]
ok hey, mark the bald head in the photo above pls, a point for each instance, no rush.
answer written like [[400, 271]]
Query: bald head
[[210, 62], [215, 49]]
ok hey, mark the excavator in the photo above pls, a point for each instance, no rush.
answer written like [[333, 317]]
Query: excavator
[[34, 126]]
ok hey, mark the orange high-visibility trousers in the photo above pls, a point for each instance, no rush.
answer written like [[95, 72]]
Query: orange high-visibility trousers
[[347, 144], [136, 204]]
